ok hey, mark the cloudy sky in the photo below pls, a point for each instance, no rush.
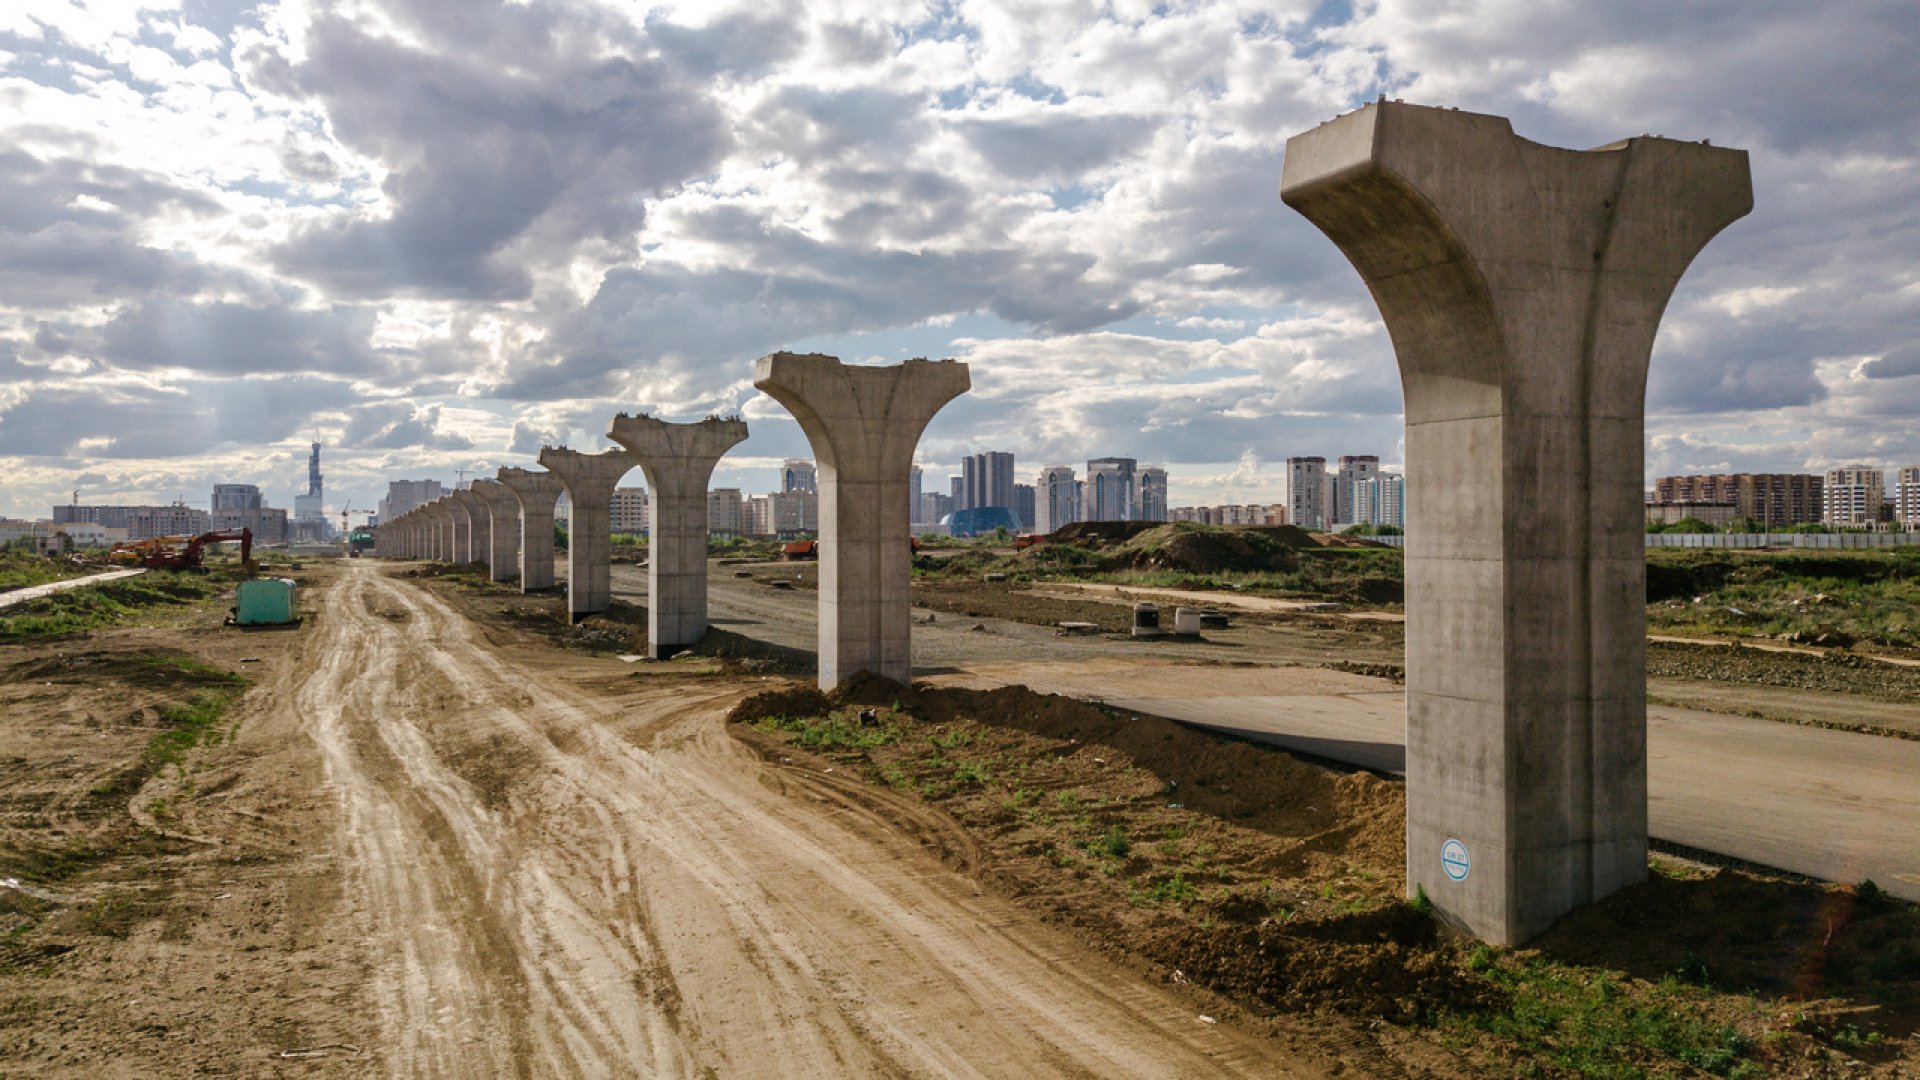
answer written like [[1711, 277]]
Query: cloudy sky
[[432, 234]]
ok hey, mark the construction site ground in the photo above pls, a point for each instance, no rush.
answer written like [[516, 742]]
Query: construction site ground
[[434, 832]]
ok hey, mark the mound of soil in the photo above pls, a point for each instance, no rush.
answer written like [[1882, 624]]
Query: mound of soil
[[1201, 550], [1277, 885], [1837, 672], [1115, 822], [1015, 602]]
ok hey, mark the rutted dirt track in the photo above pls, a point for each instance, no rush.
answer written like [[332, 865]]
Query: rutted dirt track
[[554, 877]]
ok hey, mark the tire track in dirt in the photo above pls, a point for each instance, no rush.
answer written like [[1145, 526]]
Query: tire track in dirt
[[650, 898]]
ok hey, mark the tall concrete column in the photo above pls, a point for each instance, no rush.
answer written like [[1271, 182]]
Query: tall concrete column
[[536, 493], [469, 526], [436, 531], [1522, 286], [864, 423], [503, 528], [589, 480], [678, 460]]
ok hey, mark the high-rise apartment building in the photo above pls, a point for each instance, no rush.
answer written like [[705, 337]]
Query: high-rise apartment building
[[1853, 495], [404, 496], [934, 506], [1906, 496], [1056, 498], [798, 474], [630, 510], [1023, 506], [1775, 500], [1110, 489], [986, 480], [1380, 499], [237, 497], [1151, 502], [1307, 492], [726, 512], [914, 480], [1353, 468]]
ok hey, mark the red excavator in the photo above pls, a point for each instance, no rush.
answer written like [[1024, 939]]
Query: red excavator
[[171, 553]]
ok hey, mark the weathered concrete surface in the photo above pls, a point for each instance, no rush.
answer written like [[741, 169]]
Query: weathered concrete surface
[[536, 492], [503, 529], [1522, 286], [678, 460], [470, 525], [589, 480], [440, 530], [864, 423]]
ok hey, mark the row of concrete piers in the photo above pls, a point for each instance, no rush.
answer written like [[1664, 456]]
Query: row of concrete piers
[[1522, 286], [863, 422]]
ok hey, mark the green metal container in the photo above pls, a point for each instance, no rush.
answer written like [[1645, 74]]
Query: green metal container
[[263, 602]]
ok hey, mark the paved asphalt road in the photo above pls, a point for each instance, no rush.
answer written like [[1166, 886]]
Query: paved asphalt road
[[1830, 804]]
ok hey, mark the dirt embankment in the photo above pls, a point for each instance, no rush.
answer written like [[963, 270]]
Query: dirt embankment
[[1277, 885], [1833, 672]]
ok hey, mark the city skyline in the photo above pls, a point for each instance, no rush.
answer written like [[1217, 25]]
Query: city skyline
[[242, 227]]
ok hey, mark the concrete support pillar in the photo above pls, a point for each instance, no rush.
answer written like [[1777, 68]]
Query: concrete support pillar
[[1522, 286], [678, 460], [439, 531], [503, 529], [863, 423], [536, 493], [589, 480], [469, 526]]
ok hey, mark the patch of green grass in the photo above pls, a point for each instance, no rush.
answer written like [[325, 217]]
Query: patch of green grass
[[1175, 889], [1589, 1023], [191, 723], [831, 732], [972, 771], [92, 606], [20, 566], [1112, 844], [951, 740]]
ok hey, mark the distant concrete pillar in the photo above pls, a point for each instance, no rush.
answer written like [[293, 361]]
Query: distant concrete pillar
[[439, 530], [469, 526], [864, 423], [589, 480], [503, 529], [1522, 286], [678, 460], [536, 492]]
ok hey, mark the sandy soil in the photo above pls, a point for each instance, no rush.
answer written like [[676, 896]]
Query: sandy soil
[[461, 853]]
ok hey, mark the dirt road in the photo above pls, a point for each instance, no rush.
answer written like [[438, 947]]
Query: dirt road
[[561, 871]]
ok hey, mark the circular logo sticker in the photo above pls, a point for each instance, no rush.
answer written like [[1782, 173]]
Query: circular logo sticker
[[1454, 860]]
